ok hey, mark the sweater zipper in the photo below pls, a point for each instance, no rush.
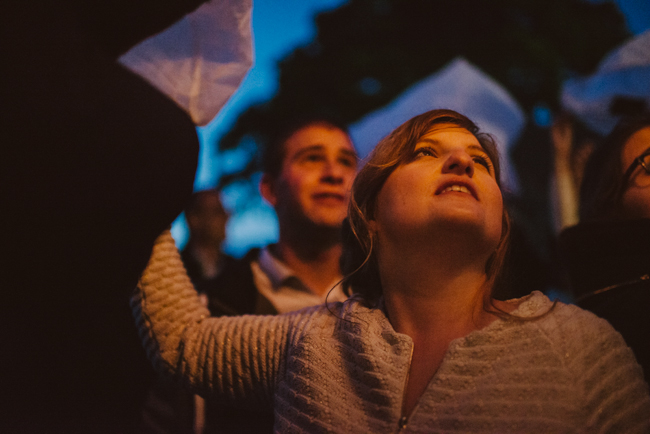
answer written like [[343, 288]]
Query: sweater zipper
[[403, 420]]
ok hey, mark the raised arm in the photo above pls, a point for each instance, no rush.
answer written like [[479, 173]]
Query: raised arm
[[236, 358]]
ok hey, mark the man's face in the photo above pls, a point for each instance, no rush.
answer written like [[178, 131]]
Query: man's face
[[314, 182]]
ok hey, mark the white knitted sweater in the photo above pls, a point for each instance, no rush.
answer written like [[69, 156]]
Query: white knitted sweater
[[345, 370]]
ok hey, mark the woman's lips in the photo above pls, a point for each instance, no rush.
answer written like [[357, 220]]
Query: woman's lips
[[457, 186]]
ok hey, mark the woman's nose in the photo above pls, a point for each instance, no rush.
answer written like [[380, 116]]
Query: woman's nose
[[459, 163]]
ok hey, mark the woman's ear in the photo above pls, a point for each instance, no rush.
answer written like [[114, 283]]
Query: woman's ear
[[267, 189]]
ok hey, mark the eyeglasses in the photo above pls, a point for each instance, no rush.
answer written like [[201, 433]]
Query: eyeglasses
[[642, 160]]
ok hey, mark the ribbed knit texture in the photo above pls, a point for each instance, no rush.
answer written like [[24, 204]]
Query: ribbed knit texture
[[345, 370]]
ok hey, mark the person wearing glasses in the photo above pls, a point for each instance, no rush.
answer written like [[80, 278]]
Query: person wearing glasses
[[422, 345], [608, 253]]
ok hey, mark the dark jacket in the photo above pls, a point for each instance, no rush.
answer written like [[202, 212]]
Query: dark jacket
[[609, 270]]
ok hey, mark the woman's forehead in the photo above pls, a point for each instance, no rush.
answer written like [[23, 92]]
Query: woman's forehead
[[444, 132], [447, 126]]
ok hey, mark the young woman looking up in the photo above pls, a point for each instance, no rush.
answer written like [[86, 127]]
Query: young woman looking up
[[436, 220], [422, 346]]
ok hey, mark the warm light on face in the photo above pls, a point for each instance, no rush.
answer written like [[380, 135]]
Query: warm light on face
[[449, 183], [316, 176], [635, 201]]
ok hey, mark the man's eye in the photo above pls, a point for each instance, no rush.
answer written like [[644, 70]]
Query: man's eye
[[313, 157], [348, 162]]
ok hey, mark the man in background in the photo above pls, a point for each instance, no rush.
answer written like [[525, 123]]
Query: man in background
[[206, 220], [308, 169]]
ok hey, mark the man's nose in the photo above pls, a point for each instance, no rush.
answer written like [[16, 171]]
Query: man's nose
[[459, 163], [333, 172]]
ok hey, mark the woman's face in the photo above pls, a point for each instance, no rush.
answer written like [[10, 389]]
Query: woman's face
[[635, 202], [448, 184]]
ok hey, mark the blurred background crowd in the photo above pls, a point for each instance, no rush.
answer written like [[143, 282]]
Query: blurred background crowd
[[521, 70]]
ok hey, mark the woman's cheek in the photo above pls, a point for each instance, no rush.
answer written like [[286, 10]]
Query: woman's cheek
[[636, 203]]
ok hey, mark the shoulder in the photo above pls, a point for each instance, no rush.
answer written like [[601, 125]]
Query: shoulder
[[559, 319], [587, 356], [250, 256], [331, 316], [322, 313], [233, 291], [238, 267], [579, 336]]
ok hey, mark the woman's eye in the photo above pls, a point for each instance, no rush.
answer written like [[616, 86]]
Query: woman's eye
[[483, 161], [425, 152]]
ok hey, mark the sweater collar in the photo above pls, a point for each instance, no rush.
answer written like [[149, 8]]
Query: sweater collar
[[358, 318]]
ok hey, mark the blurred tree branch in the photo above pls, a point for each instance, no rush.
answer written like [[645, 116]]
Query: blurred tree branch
[[529, 46]]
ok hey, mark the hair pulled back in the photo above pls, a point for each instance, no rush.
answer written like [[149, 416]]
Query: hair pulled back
[[359, 262]]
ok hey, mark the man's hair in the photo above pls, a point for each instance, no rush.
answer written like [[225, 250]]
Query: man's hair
[[275, 151], [359, 262], [602, 184]]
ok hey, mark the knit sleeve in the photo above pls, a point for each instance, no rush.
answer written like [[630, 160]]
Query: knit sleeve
[[615, 394], [233, 358]]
